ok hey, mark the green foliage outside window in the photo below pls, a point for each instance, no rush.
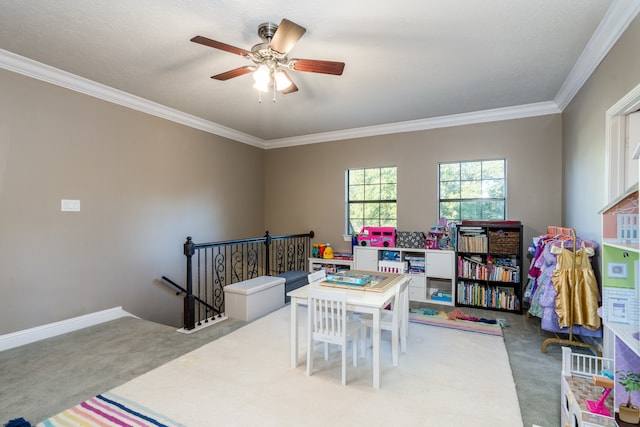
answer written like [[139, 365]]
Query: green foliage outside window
[[372, 198], [473, 190]]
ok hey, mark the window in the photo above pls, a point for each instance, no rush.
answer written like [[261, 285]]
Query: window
[[371, 198], [472, 190]]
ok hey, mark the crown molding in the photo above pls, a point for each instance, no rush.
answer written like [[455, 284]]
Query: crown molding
[[498, 114], [28, 67], [627, 104], [618, 17], [615, 22]]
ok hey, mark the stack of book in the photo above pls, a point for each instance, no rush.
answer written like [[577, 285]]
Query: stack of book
[[472, 239], [472, 268], [501, 273], [416, 264], [476, 294], [496, 271]]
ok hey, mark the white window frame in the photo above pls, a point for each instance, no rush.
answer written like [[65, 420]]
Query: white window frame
[[348, 201], [460, 162]]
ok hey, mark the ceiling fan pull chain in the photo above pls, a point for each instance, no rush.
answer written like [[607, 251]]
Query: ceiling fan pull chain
[[274, 92], [259, 97]]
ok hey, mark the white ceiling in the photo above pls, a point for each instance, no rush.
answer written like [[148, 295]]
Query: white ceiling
[[410, 64]]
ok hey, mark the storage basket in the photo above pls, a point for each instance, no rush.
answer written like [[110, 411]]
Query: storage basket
[[410, 239], [504, 242]]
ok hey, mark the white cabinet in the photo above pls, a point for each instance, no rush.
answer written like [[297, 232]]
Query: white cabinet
[[417, 288], [440, 264], [365, 258], [430, 271]]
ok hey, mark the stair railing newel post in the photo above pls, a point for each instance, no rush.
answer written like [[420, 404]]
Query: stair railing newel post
[[189, 299], [267, 261]]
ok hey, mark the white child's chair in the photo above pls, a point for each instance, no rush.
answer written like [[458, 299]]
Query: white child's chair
[[395, 320], [328, 323], [317, 276]]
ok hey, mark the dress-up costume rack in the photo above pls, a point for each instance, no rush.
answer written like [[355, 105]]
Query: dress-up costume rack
[[563, 287]]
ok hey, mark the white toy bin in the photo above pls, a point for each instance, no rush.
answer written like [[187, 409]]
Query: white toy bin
[[253, 298]]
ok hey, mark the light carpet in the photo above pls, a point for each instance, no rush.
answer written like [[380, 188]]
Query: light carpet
[[447, 378]]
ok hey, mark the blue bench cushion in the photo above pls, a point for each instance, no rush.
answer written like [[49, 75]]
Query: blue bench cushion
[[293, 280]]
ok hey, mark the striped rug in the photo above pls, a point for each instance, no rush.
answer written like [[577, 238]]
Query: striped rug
[[463, 325], [108, 410]]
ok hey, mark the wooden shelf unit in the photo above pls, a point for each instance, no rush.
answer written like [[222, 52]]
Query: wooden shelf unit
[[489, 265]]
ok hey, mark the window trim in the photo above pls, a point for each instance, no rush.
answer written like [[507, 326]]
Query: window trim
[[348, 201]]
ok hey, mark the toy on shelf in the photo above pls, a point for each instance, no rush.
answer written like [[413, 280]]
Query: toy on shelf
[[390, 256], [328, 252], [598, 407], [440, 236], [377, 236]]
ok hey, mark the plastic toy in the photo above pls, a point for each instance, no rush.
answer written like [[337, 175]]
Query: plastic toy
[[328, 252], [598, 407], [377, 236]]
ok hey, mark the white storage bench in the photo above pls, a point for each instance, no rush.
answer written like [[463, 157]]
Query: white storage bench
[[253, 298]]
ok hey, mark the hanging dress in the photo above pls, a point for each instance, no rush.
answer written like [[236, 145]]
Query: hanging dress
[[544, 295], [580, 280]]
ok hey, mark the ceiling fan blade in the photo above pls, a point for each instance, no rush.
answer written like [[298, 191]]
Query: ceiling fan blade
[[286, 36], [290, 89], [234, 73], [316, 66], [219, 45]]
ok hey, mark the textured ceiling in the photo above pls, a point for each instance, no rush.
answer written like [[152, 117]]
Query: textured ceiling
[[405, 60]]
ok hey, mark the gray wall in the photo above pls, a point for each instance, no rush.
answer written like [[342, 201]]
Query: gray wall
[[584, 133], [144, 184], [556, 164], [305, 185]]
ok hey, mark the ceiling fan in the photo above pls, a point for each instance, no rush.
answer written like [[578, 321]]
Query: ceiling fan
[[270, 60]]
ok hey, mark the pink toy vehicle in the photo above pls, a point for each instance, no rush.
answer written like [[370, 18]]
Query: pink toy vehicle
[[377, 236]]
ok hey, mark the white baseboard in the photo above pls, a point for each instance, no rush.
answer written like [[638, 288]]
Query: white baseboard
[[27, 336]]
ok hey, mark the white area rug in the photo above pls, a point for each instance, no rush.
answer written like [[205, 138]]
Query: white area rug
[[446, 378]]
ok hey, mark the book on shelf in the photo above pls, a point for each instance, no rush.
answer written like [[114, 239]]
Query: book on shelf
[[343, 256], [476, 294], [470, 229], [473, 243], [505, 274], [474, 268]]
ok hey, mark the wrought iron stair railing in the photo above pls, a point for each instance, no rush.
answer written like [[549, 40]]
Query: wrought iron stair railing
[[212, 266]]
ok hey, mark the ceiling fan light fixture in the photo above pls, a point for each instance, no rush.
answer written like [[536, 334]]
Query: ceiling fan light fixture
[[262, 75], [282, 81], [262, 86]]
